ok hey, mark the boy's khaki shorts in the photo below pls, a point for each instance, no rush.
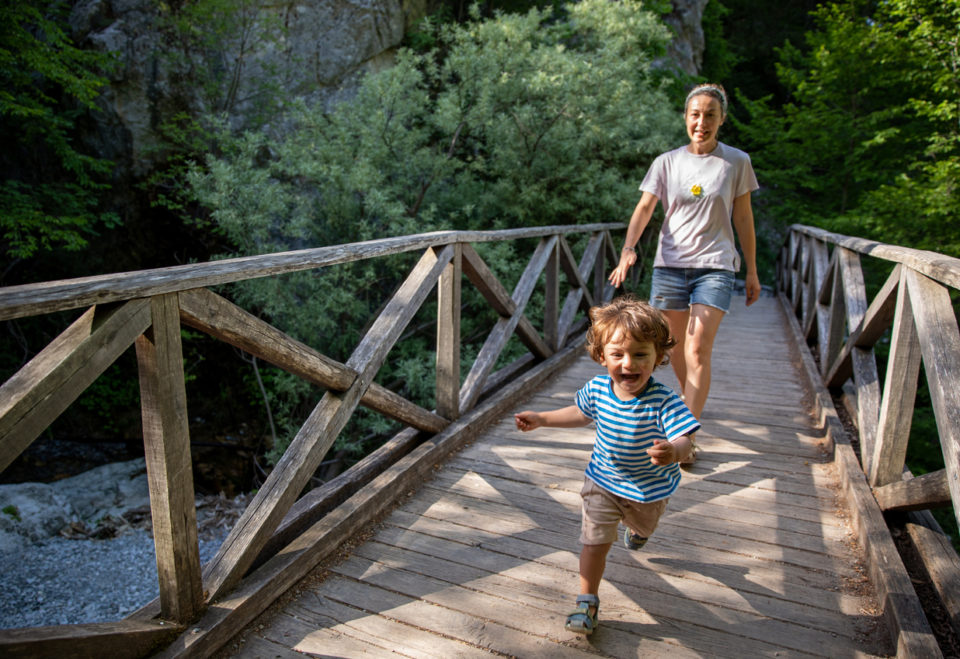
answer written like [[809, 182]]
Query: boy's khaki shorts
[[603, 512]]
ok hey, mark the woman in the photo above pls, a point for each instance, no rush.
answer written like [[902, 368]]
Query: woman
[[705, 190]]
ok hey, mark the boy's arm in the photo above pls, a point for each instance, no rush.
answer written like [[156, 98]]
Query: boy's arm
[[667, 452], [565, 417]]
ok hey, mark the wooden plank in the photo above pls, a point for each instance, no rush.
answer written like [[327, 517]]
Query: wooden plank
[[920, 493], [819, 264], [528, 578], [166, 443], [216, 316], [448, 337], [500, 334], [832, 341], [579, 297], [497, 297], [939, 267], [212, 314], [256, 592], [679, 553], [865, 376], [122, 640], [316, 436], [47, 297], [875, 322], [322, 625], [313, 505], [254, 647], [551, 299], [940, 560], [940, 345], [899, 396], [51, 381], [911, 632]]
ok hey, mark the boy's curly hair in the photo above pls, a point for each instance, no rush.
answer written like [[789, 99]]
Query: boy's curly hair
[[635, 317]]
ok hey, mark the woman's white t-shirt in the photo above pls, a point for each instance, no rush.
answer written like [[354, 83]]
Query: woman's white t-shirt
[[697, 193]]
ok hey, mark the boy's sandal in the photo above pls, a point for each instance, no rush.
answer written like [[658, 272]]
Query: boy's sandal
[[633, 540], [580, 620]]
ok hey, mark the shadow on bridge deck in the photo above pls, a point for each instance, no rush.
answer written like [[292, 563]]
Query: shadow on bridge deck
[[753, 557]]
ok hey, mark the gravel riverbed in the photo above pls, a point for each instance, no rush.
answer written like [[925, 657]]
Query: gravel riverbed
[[63, 581]]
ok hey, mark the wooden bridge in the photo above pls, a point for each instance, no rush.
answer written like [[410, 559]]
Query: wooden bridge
[[459, 536]]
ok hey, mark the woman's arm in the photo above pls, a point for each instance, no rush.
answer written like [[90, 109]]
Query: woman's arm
[[743, 223], [565, 417], [638, 222]]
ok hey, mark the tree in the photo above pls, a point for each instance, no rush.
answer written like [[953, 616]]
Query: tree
[[50, 187], [517, 120], [869, 134]]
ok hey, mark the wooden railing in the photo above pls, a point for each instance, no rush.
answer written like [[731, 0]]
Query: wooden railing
[[279, 539], [820, 276]]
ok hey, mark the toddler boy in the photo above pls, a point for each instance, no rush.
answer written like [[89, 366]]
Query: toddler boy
[[642, 433]]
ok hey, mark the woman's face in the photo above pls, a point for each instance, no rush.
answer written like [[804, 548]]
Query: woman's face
[[704, 117]]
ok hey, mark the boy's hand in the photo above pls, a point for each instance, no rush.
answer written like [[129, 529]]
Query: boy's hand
[[662, 453], [528, 420]]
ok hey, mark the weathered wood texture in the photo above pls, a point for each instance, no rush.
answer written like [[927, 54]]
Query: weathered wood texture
[[754, 557], [47, 297], [118, 640], [914, 304], [148, 307], [166, 443]]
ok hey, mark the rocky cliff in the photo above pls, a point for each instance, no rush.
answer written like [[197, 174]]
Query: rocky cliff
[[240, 56], [235, 60]]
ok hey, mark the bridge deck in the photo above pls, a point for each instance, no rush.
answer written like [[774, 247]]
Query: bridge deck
[[753, 557]]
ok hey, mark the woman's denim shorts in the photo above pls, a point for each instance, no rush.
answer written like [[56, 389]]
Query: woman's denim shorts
[[675, 289]]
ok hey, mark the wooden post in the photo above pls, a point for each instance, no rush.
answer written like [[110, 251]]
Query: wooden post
[[865, 375], [551, 299], [166, 442], [315, 437], [53, 379], [448, 337], [836, 313], [899, 394], [940, 345]]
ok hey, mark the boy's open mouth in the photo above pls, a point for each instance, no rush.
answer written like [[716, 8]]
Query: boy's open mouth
[[629, 377]]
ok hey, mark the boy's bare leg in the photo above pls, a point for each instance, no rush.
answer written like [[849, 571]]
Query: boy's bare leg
[[593, 560]]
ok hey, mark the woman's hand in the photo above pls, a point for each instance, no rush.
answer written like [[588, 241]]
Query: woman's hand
[[753, 288], [627, 258]]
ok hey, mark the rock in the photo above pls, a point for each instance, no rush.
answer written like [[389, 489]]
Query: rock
[[312, 49], [33, 511], [685, 52], [90, 504], [107, 490]]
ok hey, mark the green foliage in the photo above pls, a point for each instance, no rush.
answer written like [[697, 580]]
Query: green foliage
[[517, 120], [12, 511], [49, 188], [868, 142], [870, 135], [218, 46]]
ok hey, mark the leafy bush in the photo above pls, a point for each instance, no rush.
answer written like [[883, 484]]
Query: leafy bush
[[518, 120]]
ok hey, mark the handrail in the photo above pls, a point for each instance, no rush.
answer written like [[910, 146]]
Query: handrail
[[821, 280], [146, 309], [47, 297]]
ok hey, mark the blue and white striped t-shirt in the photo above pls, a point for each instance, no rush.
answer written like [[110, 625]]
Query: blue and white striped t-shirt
[[625, 430]]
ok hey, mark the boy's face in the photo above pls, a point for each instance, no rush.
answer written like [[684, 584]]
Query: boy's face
[[630, 364]]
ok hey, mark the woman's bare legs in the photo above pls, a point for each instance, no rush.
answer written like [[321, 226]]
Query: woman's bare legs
[[695, 330]]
